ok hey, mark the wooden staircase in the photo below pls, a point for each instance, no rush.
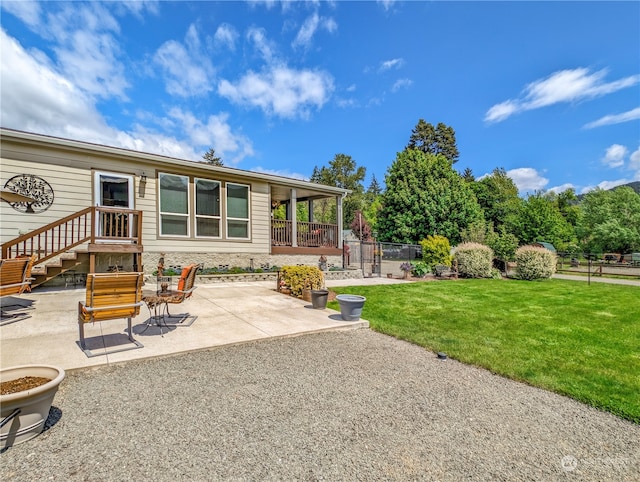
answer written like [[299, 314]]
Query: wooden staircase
[[71, 241], [65, 264]]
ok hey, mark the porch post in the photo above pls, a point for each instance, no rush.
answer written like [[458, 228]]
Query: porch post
[[310, 209], [339, 219], [294, 219]]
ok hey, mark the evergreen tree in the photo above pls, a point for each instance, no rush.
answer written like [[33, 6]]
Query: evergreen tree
[[438, 140], [211, 158], [425, 196]]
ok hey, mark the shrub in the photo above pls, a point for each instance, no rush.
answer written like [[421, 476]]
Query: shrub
[[420, 268], [534, 262], [298, 278], [436, 250], [474, 260]]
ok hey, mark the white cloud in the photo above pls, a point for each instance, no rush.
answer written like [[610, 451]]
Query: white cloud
[[391, 64], [281, 172], [401, 84], [614, 155], [500, 112], [280, 90], [87, 53], [527, 179], [28, 12], [387, 4], [633, 114], [137, 7], [606, 185], [266, 48], [187, 69], [634, 162], [215, 133], [36, 98], [309, 28], [562, 86], [226, 35], [561, 188]]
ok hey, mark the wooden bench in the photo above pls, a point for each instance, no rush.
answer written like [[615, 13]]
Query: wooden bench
[[111, 296], [444, 271]]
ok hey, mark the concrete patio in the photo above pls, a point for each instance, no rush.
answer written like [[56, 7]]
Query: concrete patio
[[227, 314]]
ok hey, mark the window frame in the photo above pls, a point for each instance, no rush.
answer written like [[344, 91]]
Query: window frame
[[168, 213], [230, 218], [197, 216]]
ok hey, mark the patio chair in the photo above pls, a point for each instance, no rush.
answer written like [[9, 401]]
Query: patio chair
[[14, 280], [111, 296], [186, 287]]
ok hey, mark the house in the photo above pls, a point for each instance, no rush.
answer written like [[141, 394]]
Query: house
[[97, 208]]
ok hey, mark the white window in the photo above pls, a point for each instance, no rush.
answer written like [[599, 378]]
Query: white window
[[237, 211], [113, 190], [207, 208], [174, 205]]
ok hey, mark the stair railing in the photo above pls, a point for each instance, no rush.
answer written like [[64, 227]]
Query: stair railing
[[113, 225]]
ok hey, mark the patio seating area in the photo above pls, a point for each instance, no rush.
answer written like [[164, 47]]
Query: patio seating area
[[228, 313]]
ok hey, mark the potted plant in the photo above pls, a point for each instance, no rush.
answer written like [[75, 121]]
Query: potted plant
[[25, 406], [406, 268]]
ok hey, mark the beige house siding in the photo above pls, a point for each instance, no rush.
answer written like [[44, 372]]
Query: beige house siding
[[72, 192], [69, 166], [71, 178]]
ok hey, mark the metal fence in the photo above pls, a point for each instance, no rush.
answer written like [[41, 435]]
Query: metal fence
[[376, 259]]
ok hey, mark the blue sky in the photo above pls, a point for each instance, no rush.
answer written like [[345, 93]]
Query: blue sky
[[550, 91]]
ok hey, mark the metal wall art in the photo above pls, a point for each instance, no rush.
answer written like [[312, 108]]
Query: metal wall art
[[37, 191]]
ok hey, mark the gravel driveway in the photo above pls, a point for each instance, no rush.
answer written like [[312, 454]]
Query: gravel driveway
[[353, 405]]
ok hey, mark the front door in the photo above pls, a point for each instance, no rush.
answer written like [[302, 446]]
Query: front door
[[114, 191]]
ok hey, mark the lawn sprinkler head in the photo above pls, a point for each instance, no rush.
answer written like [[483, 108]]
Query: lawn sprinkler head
[[442, 356]]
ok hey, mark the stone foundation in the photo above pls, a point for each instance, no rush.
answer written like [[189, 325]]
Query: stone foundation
[[227, 261]]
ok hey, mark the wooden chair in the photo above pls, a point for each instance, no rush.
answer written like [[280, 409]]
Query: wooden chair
[[111, 296], [14, 280], [186, 287]]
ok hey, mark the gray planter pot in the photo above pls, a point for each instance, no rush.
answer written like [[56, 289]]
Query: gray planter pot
[[25, 413], [351, 306], [319, 299]]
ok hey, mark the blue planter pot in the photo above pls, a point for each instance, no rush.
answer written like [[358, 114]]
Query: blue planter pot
[[351, 306]]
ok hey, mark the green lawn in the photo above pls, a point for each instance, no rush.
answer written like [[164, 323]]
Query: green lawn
[[578, 340]]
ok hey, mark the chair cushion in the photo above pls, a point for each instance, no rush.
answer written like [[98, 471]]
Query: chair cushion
[[183, 276]]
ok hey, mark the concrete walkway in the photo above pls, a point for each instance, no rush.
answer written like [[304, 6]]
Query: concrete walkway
[[228, 313]]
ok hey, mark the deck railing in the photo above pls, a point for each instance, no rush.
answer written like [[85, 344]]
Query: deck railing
[[308, 234], [113, 225]]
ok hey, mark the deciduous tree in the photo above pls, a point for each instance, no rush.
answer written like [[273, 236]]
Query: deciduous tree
[[345, 173], [610, 221], [539, 219], [498, 197]]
